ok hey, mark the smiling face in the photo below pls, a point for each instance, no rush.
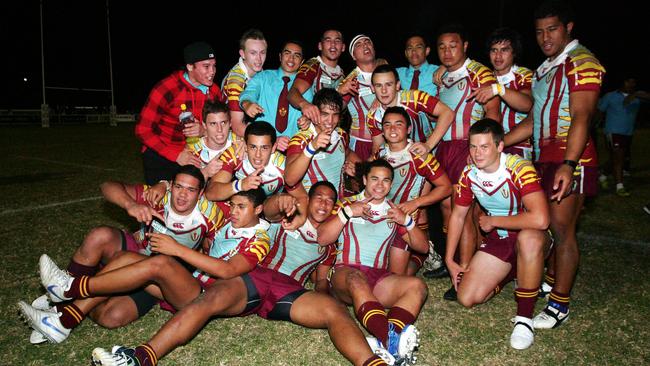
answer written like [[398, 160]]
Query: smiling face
[[552, 35], [396, 129], [291, 58], [378, 182], [254, 54], [331, 45], [202, 72], [321, 204], [451, 50], [185, 193], [259, 150], [416, 51], [484, 151], [329, 118], [385, 86]]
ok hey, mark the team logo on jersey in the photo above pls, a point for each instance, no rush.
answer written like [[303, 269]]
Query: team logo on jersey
[[505, 192], [271, 187], [402, 172], [177, 225], [321, 249], [310, 234], [549, 78], [461, 85], [390, 224], [195, 236], [487, 184]]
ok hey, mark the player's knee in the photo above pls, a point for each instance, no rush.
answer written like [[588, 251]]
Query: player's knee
[[530, 243], [102, 239], [161, 265], [112, 317], [467, 299]]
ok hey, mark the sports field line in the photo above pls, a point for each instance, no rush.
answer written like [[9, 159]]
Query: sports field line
[[65, 163], [49, 205]]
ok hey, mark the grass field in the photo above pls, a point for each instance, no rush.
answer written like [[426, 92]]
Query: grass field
[[62, 167]]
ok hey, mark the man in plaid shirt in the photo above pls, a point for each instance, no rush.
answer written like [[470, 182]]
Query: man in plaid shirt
[[159, 128]]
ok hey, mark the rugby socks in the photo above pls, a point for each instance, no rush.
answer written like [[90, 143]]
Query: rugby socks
[[559, 299], [375, 361], [526, 299], [373, 316], [78, 269], [146, 355], [78, 288], [71, 316], [549, 279], [400, 318], [509, 277]]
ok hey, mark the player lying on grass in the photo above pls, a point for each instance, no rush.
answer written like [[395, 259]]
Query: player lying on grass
[[185, 216], [273, 290], [508, 188], [241, 244], [366, 225]]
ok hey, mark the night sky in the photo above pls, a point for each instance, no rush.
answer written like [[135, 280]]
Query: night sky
[[147, 43]]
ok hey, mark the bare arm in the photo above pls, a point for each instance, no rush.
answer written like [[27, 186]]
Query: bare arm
[[521, 132], [237, 123], [535, 217], [320, 279], [492, 109], [446, 117], [519, 100], [454, 229]]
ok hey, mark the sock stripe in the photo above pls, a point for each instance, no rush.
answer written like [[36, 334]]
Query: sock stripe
[[397, 322], [78, 317], [83, 286], [549, 279], [151, 353], [370, 314], [377, 362], [556, 297], [526, 293]]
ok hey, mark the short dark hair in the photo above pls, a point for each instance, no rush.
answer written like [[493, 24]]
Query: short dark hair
[[419, 35], [555, 8], [453, 28], [325, 183], [252, 33], [294, 41], [384, 69], [488, 125], [367, 166], [322, 36], [260, 128], [193, 171], [506, 34], [398, 110], [214, 107], [256, 196], [328, 97]]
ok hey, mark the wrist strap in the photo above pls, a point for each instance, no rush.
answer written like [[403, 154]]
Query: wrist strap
[[309, 151], [409, 223], [498, 89], [572, 163], [235, 186]]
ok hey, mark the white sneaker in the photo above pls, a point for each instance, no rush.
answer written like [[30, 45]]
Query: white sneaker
[[550, 318], [522, 335], [118, 356], [41, 303], [45, 322], [378, 349], [409, 340], [55, 280], [545, 290], [433, 261]]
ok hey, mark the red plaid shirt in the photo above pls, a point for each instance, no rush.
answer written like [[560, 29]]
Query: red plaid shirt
[[158, 128]]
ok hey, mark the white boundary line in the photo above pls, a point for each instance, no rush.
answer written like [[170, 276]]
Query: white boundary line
[[65, 163], [40, 207]]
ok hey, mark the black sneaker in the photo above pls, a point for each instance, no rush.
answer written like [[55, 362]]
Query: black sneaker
[[451, 294], [436, 273]]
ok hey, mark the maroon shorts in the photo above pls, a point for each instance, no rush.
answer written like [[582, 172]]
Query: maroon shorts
[[453, 157], [617, 141], [503, 248], [417, 258], [373, 275], [271, 292], [128, 242], [362, 148], [523, 151], [585, 178]]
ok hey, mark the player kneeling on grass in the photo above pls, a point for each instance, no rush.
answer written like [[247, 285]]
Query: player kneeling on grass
[[273, 290], [186, 217], [368, 223], [242, 243], [508, 188]]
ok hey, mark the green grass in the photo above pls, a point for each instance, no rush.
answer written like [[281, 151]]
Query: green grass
[[610, 306]]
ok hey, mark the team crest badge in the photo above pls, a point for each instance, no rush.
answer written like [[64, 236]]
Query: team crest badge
[[271, 187], [283, 112], [505, 192], [461, 85], [402, 172], [390, 224], [195, 236]]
